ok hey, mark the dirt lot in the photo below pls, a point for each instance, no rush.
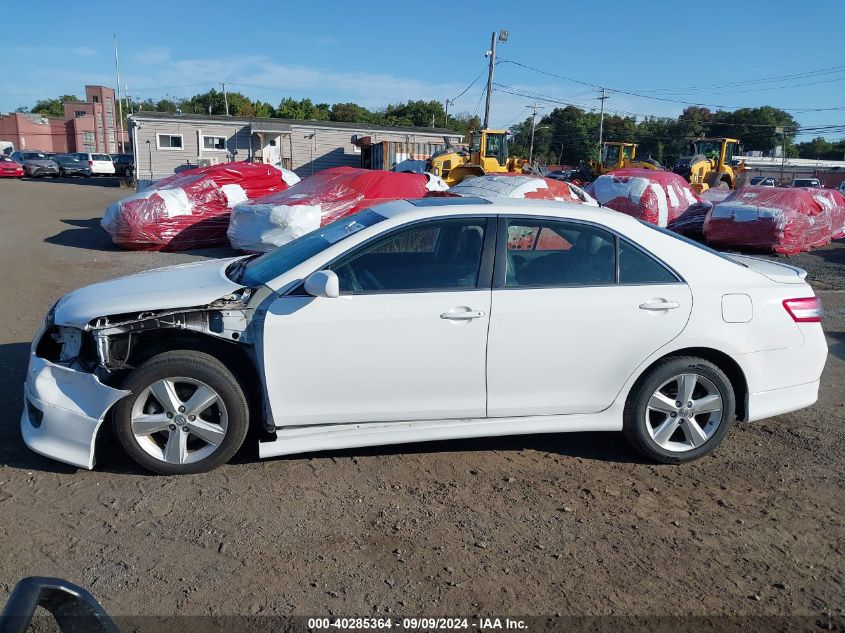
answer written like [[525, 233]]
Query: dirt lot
[[571, 524]]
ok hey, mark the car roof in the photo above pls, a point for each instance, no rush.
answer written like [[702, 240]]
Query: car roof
[[444, 206]]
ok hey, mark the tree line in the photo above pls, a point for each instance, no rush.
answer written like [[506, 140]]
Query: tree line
[[419, 113], [563, 136], [569, 135]]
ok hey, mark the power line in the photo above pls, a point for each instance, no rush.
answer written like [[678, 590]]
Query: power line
[[471, 84], [803, 75], [656, 98]]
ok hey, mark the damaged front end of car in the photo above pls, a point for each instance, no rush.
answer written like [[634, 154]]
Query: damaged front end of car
[[76, 369]]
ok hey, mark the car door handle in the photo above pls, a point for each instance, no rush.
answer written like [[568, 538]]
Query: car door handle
[[659, 304], [462, 316]]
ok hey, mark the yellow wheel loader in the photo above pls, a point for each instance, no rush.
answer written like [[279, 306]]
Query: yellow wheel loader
[[487, 154], [711, 163], [619, 155]]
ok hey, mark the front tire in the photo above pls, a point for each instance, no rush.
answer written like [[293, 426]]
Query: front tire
[[679, 410], [186, 414]]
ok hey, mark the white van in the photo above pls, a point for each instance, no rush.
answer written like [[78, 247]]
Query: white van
[[99, 164]]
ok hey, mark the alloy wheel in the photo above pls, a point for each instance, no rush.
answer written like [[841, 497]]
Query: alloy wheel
[[179, 420], [684, 412]]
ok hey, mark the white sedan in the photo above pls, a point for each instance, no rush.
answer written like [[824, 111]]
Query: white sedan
[[427, 320]]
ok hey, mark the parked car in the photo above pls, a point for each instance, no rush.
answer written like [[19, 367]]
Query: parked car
[[124, 164], [428, 319], [559, 174], [841, 188], [10, 168], [763, 181], [72, 166], [807, 182], [35, 163], [99, 164]]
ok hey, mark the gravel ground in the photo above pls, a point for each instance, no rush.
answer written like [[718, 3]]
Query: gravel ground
[[572, 524]]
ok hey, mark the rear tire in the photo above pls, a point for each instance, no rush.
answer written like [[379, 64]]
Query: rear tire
[[679, 410], [186, 414]]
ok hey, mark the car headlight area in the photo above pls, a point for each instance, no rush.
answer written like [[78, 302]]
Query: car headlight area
[[65, 403]]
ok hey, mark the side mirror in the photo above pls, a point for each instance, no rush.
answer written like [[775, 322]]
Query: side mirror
[[323, 283], [74, 609]]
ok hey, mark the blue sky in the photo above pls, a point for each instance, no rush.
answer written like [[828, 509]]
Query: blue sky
[[377, 53]]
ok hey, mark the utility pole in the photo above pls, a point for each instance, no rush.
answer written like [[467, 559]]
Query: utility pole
[[119, 102], [225, 97], [784, 130], [503, 37], [534, 109], [447, 112], [602, 98]]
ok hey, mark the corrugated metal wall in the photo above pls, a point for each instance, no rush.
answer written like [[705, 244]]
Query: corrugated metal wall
[[387, 154], [152, 163], [335, 147], [310, 147]]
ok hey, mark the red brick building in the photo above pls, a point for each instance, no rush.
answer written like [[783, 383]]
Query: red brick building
[[87, 126]]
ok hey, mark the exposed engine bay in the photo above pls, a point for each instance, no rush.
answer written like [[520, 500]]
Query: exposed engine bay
[[108, 343]]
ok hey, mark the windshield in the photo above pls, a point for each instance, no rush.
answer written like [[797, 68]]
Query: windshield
[[270, 265], [67, 159], [683, 238], [611, 155], [33, 156], [806, 182], [710, 149]]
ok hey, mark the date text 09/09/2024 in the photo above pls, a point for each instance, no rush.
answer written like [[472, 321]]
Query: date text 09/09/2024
[[412, 624]]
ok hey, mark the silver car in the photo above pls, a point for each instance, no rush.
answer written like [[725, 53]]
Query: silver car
[[36, 164]]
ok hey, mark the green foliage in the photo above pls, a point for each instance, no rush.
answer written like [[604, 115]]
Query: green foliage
[[53, 107], [350, 113], [303, 109], [820, 148]]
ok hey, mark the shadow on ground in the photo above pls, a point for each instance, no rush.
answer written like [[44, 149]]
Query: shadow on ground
[[89, 235], [86, 234], [94, 181], [836, 344]]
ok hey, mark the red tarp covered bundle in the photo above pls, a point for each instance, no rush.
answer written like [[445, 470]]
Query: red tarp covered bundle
[[190, 209], [512, 185], [776, 219], [268, 222], [652, 195]]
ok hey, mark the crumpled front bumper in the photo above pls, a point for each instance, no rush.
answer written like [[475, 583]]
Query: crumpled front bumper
[[63, 410]]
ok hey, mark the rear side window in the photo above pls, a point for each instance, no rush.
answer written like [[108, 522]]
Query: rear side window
[[549, 253], [637, 267]]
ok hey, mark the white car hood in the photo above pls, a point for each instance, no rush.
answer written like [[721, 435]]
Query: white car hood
[[183, 286]]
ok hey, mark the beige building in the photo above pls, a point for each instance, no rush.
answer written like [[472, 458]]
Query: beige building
[[165, 142]]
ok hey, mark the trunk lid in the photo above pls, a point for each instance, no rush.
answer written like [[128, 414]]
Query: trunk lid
[[781, 273]]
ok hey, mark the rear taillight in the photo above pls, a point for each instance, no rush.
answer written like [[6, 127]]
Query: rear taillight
[[90, 163], [806, 310]]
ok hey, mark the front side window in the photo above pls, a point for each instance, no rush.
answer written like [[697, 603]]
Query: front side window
[[170, 141], [551, 253], [214, 142], [429, 256]]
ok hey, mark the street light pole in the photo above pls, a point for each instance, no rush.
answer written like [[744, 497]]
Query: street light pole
[[119, 102], [225, 97], [502, 37], [533, 127], [602, 98]]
